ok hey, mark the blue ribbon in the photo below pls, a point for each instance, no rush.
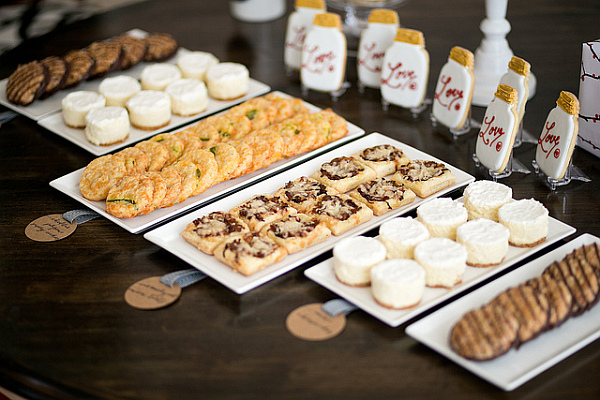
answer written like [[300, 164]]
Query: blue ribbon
[[338, 306], [80, 216], [183, 278]]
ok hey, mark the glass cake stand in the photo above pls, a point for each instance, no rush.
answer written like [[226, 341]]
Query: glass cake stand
[[355, 14]]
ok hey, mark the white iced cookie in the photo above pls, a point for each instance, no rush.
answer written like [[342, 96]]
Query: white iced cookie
[[353, 258], [149, 110], [517, 77], [107, 125], [298, 24], [486, 241], [482, 199], [498, 130], [193, 65], [559, 136], [324, 54], [188, 97], [444, 261], [527, 221], [398, 284], [375, 39], [442, 216], [76, 105], [118, 89], [405, 70], [454, 89], [401, 235], [227, 81], [158, 76]]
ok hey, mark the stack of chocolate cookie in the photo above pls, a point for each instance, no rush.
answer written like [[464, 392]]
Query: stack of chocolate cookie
[[41, 79], [565, 288]]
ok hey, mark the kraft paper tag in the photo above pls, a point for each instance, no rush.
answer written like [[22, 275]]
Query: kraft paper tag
[[50, 228], [151, 294], [310, 322], [160, 291]]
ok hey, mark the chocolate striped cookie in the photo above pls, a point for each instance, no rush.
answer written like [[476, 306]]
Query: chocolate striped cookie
[[27, 83]]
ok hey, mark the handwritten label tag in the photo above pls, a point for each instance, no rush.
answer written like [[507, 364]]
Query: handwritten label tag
[[311, 323], [49, 228], [151, 294]]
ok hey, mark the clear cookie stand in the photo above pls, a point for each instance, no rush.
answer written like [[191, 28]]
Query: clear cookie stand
[[572, 173]]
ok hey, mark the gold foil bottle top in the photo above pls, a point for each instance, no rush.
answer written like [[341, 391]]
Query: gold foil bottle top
[[568, 102], [462, 56], [383, 16], [507, 93], [328, 20], [410, 36], [519, 65], [318, 4]]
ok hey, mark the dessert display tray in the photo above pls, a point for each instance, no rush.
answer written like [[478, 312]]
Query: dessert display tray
[[361, 297], [54, 123], [169, 237], [43, 108], [48, 114], [69, 184], [518, 366]]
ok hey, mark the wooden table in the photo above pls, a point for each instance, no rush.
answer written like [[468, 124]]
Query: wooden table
[[66, 332]]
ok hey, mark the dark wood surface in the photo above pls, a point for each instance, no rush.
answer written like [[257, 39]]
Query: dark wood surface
[[66, 332]]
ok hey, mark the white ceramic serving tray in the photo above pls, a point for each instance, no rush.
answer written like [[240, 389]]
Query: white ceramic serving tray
[[54, 123], [518, 366], [169, 236], [361, 297], [43, 108], [69, 184]]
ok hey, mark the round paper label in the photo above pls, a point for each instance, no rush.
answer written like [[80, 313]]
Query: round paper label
[[151, 294], [49, 228], [311, 323]]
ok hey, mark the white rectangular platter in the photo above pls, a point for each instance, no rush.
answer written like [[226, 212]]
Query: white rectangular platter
[[43, 108], [518, 366], [54, 123], [169, 236], [361, 297], [69, 184]]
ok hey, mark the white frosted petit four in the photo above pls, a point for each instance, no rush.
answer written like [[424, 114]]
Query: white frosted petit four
[[398, 283], [324, 54], [444, 261], [486, 241], [188, 97], [482, 199], [149, 109], [442, 216], [400, 236], [158, 76], [498, 130], [118, 89], [227, 81], [375, 39], [527, 221], [107, 125], [76, 105], [298, 24], [559, 136], [194, 64], [405, 70], [353, 258], [454, 89]]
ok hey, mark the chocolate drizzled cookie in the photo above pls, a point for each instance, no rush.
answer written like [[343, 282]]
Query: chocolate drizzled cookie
[[161, 46], [81, 65], [58, 71], [484, 333], [107, 56], [27, 83], [134, 50]]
